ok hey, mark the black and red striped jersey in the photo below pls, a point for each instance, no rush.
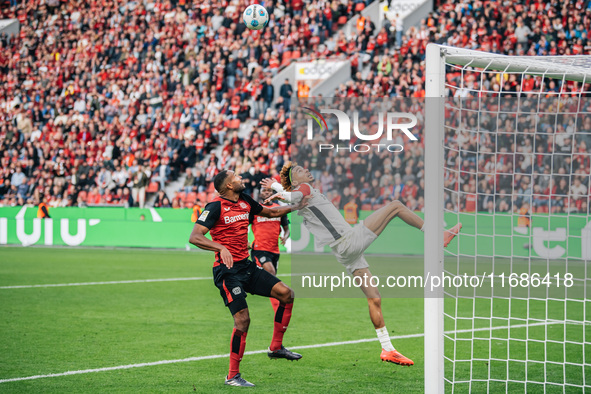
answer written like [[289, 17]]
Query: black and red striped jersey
[[228, 221]]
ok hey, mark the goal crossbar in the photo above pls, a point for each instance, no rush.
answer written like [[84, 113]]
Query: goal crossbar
[[572, 68]]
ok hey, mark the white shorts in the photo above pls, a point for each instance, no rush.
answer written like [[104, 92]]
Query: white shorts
[[350, 248]]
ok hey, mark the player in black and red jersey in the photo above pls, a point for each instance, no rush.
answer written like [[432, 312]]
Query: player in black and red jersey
[[265, 247], [227, 219]]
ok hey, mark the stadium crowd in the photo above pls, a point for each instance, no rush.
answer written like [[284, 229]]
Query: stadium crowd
[[103, 102]]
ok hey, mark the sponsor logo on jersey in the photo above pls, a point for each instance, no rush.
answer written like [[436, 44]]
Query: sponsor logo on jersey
[[264, 219], [232, 219], [227, 209]]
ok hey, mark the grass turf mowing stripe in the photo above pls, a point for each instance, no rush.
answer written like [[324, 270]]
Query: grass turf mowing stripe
[[319, 345], [115, 282]]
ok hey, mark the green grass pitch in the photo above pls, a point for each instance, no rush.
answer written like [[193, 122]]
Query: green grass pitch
[[52, 330], [48, 330]]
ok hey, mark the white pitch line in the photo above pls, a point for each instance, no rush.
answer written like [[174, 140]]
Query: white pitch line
[[116, 282], [189, 359], [103, 283]]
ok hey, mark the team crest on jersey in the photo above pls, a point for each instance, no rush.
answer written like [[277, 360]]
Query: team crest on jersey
[[236, 290], [243, 205], [203, 216]]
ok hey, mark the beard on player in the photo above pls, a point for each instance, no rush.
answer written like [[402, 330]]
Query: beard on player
[[240, 187]]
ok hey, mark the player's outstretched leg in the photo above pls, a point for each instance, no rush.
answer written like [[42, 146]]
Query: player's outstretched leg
[[237, 346], [378, 220], [374, 301], [282, 317]]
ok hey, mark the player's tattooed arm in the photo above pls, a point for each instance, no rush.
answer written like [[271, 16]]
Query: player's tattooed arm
[[198, 239]]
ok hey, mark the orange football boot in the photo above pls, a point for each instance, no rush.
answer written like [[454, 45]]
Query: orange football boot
[[450, 234], [395, 357]]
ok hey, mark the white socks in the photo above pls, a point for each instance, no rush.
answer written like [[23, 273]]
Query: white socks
[[385, 339], [423, 228]]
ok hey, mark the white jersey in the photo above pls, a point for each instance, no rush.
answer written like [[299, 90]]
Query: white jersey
[[321, 217]]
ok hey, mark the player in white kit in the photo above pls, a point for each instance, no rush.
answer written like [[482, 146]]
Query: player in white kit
[[348, 243]]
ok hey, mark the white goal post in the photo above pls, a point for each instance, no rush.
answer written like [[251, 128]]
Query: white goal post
[[543, 334]]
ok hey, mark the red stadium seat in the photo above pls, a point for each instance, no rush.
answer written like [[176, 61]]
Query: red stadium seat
[[191, 197], [296, 55], [366, 207], [342, 20], [93, 198], [233, 124], [152, 187], [181, 196], [359, 7], [202, 196], [82, 195], [211, 188], [286, 58], [211, 196]]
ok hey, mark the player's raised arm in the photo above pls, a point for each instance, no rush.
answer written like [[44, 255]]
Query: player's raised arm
[[281, 211], [289, 197], [277, 211]]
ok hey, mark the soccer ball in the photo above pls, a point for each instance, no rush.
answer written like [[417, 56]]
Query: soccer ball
[[255, 17]]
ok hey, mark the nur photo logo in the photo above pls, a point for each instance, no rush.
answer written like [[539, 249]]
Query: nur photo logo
[[389, 123]]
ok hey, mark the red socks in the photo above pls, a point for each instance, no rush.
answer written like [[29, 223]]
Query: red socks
[[238, 342], [282, 317], [274, 303], [237, 346]]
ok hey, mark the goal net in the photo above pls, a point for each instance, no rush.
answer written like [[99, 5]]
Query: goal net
[[508, 147]]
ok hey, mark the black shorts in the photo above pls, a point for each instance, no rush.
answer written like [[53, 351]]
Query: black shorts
[[244, 276], [261, 257]]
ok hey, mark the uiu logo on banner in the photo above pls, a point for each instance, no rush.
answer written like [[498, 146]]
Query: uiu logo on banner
[[34, 236]]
